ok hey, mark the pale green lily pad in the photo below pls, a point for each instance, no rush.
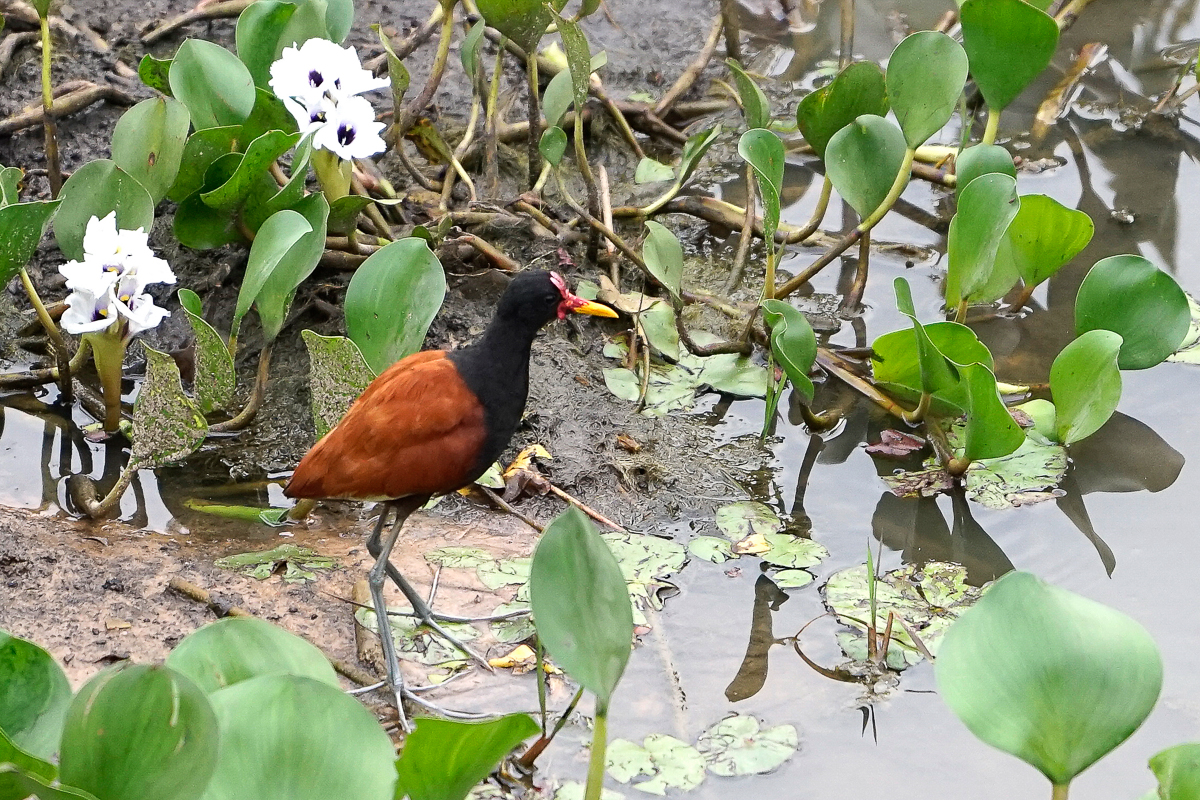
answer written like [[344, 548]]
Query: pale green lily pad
[[793, 551], [645, 562], [711, 548], [574, 790], [668, 762], [299, 563], [746, 518], [459, 557], [792, 578], [513, 630], [417, 643], [854, 645], [503, 573], [928, 598], [738, 746], [1022, 478]]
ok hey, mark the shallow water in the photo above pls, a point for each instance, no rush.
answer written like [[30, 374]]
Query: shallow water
[[1131, 487]]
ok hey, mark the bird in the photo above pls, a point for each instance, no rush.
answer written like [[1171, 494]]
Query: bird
[[430, 424]]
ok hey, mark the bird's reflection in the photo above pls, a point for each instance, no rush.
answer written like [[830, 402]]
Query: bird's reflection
[[752, 674]]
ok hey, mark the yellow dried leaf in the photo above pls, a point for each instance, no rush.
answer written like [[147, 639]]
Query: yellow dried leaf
[[753, 545]]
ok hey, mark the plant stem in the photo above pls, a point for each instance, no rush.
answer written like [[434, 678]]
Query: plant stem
[[83, 491], [797, 236], [846, 52], [256, 395], [993, 125], [1059, 791], [108, 353], [595, 778], [960, 315], [57, 343], [855, 295], [53, 171], [535, 118], [585, 169], [405, 118], [902, 176], [491, 161], [1023, 298], [918, 413]]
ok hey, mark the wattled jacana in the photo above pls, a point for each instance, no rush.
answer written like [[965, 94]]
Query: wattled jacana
[[430, 424]]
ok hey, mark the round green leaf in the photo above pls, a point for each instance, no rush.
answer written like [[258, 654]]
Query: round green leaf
[[258, 30], [289, 737], [793, 343], [1009, 43], [580, 604], [1178, 772], [95, 190], [22, 226], [443, 759], [746, 518], [235, 649], [1130, 296], [985, 208], [1046, 675], [148, 143], [1044, 236], [764, 152], [663, 256], [136, 732], [858, 89], [925, 76], [553, 144], [214, 85], [980, 160], [862, 161], [34, 695], [392, 298], [1086, 384]]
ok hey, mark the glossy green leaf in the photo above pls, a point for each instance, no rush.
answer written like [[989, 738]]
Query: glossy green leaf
[[275, 297], [259, 29], [308, 22], [558, 97], [148, 143], [523, 21], [22, 226], [793, 343], [215, 379], [214, 85], [580, 604], [337, 374], [259, 157], [857, 90], [693, 150], [167, 424], [925, 76], [1178, 772], [1086, 384], [755, 106], [982, 159], [235, 649], [937, 373], [289, 737], [991, 430], [1044, 236], [391, 301], [553, 144], [95, 190], [202, 149], [24, 782], [764, 152], [1130, 296], [339, 19], [862, 161], [469, 54], [344, 213], [155, 72], [985, 208], [293, 191], [663, 256], [202, 228], [137, 732], [34, 695], [896, 362], [275, 238], [1009, 43], [443, 759], [1053, 678]]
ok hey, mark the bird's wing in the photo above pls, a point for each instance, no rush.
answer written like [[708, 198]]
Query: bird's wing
[[417, 429]]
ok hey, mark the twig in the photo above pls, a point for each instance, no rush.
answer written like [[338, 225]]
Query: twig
[[221, 10], [685, 81], [403, 119], [488, 251], [64, 106], [841, 246], [743, 249], [405, 47], [591, 512], [830, 363], [11, 43], [502, 503]]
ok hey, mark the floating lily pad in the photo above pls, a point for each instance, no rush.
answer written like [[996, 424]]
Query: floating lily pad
[[786, 550], [517, 629], [299, 563], [737, 745], [645, 562], [747, 517], [418, 643], [459, 557], [668, 762], [711, 548], [792, 578], [495, 574], [574, 790], [1021, 478]]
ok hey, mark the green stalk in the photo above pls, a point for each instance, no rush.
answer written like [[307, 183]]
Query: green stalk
[[960, 315], [814, 222], [490, 157], [333, 173], [535, 117], [589, 181], [893, 194], [595, 778], [57, 343], [256, 395], [1059, 791], [989, 132], [108, 353], [53, 171]]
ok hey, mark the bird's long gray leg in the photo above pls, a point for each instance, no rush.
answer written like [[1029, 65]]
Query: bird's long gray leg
[[376, 580]]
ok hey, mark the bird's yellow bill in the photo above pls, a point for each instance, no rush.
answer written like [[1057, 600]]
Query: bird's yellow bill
[[595, 309]]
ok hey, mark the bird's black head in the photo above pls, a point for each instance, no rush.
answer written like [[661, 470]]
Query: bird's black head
[[536, 297]]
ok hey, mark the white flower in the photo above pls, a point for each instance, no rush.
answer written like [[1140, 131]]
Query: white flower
[[350, 130], [140, 313], [88, 312], [317, 76]]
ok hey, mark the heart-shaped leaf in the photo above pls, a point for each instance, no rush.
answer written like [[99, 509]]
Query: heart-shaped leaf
[[764, 152], [925, 76], [215, 380], [663, 256], [793, 343], [95, 190], [392, 298], [985, 208], [1044, 236], [863, 160], [148, 143], [580, 604], [1130, 296], [857, 90], [167, 424], [443, 759], [980, 160], [896, 361], [214, 85], [236, 649], [1046, 675], [22, 226], [1009, 43], [1086, 384], [275, 238]]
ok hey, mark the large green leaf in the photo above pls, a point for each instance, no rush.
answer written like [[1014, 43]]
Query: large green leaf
[[857, 90], [764, 152], [137, 732], [392, 298], [95, 190], [925, 76], [214, 380], [1046, 675], [991, 430], [1178, 772], [275, 297], [755, 106], [793, 343], [985, 208], [663, 256], [1045, 235], [1086, 384], [896, 361], [937, 372], [26, 782], [202, 149], [259, 157], [148, 143], [443, 759], [235, 649], [862, 161], [1130, 296], [34, 695], [580, 604], [259, 28], [22, 226], [289, 737], [167, 424], [523, 21], [274, 240], [980, 160], [214, 85], [13, 784], [1009, 43]]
